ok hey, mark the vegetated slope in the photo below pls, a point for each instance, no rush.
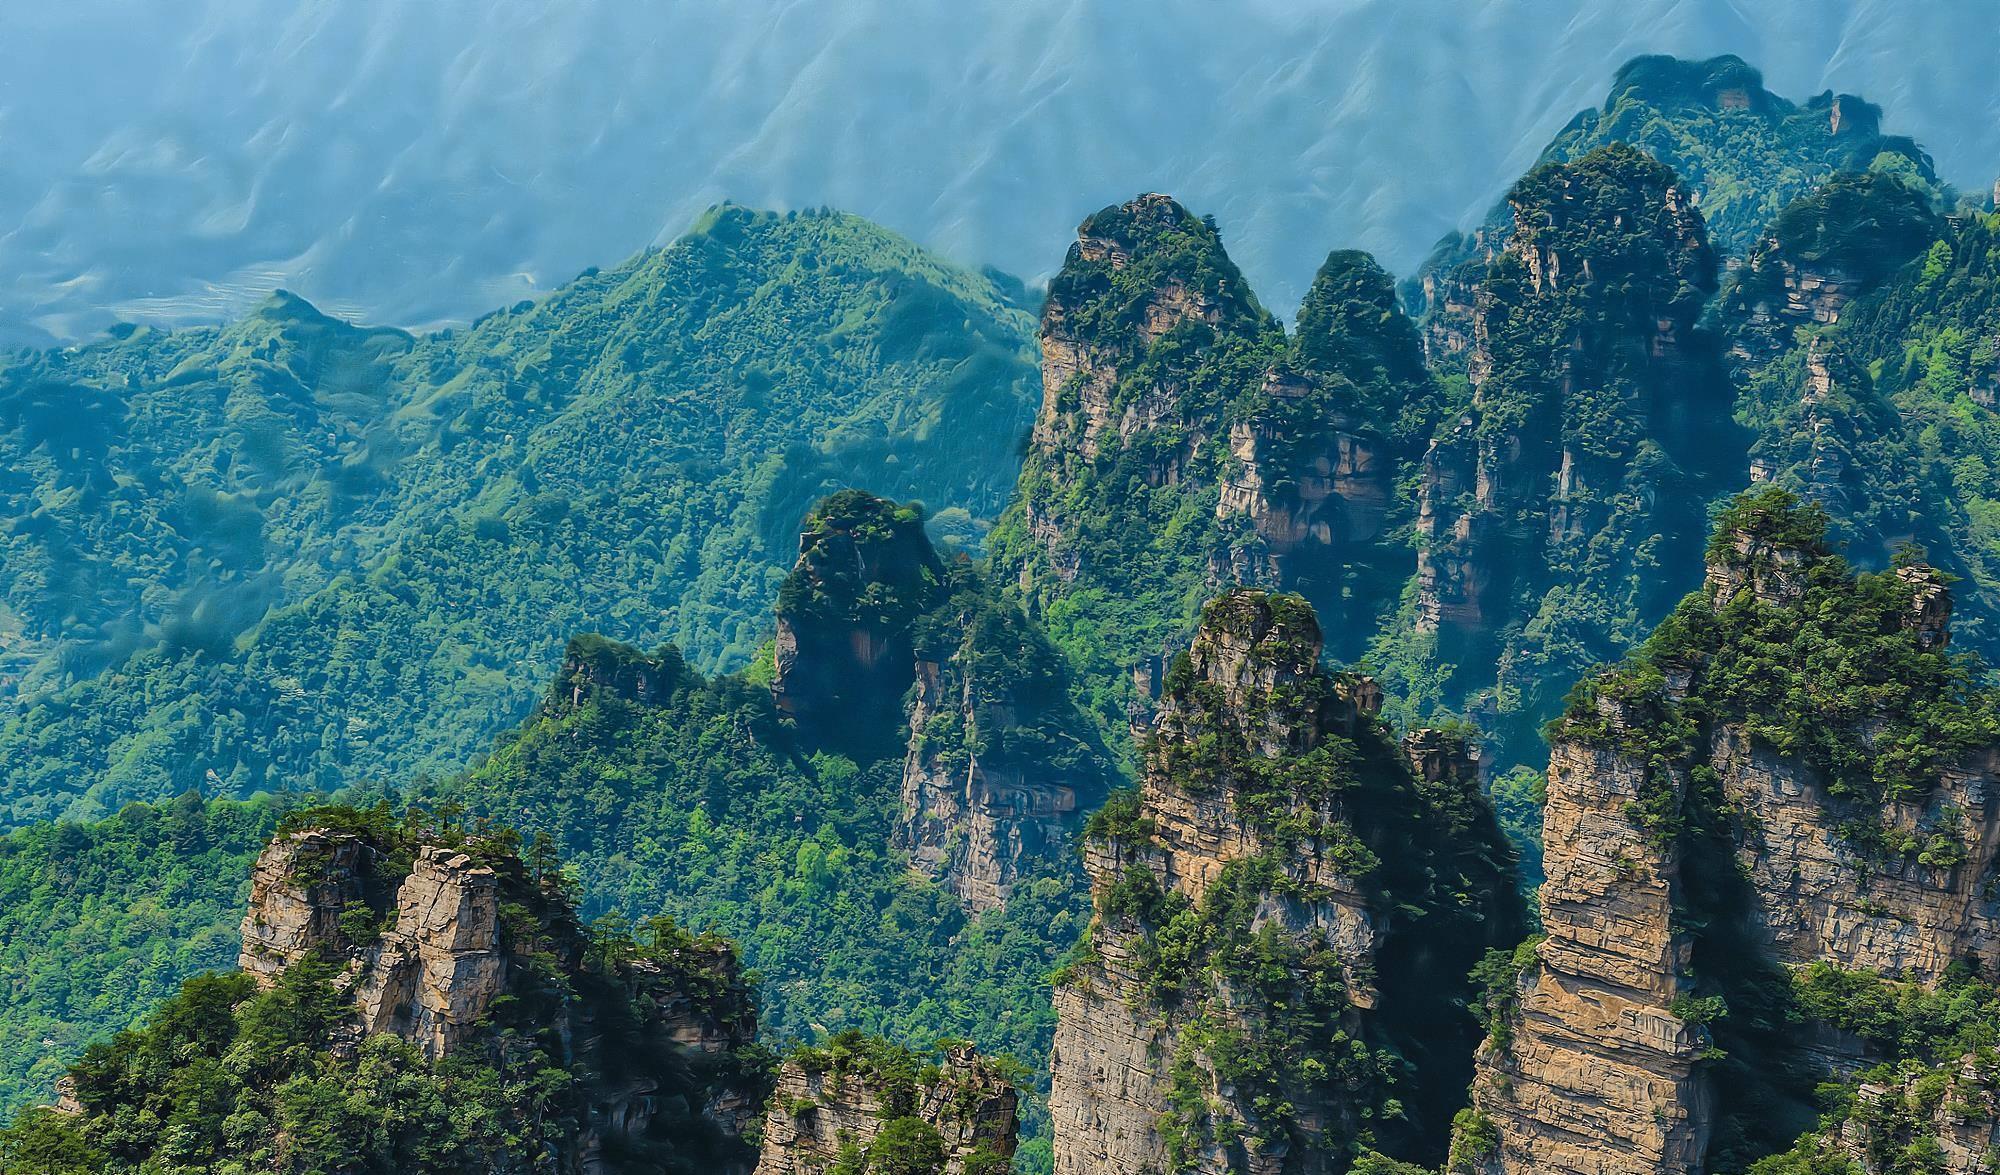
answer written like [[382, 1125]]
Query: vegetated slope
[[98, 922], [892, 859], [290, 553], [1739, 380], [415, 996], [690, 796], [1557, 506], [1870, 353]]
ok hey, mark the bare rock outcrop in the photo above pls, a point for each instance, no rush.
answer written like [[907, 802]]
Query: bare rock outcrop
[[299, 888], [438, 967], [423, 955], [1599, 1076], [870, 1104], [428, 976]]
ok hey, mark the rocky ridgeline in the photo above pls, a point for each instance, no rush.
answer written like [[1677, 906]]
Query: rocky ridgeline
[[853, 1107], [1266, 780], [1185, 442], [1609, 1064], [416, 936]]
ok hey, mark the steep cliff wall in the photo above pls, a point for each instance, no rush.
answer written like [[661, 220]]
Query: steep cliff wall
[[884, 650], [1596, 1074], [1550, 501], [428, 974], [1000, 764], [1251, 979], [860, 1104], [1779, 803]]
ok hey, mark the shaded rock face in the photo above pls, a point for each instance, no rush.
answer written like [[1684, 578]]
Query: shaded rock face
[[1593, 409], [1338, 496], [819, 1113], [845, 656], [1597, 1072], [998, 766], [707, 1032], [998, 760], [1220, 832], [1315, 456]]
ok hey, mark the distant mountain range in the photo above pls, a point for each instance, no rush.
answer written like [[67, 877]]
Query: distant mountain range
[[416, 163]]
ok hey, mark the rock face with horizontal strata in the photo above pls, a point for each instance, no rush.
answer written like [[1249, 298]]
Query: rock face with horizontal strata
[[1598, 1073], [1600, 1077], [976, 813]]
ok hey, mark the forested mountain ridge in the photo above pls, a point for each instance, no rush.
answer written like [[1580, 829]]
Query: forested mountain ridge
[[365, 517], [1186, 441], [881, 805]]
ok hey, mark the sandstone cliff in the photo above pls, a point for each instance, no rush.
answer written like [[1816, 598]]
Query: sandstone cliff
[[1716, 838], [861, 1104], [1000, 762], [1597, 1072], [428, 974], [884, 650], [1250, 930], [417, 944]]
